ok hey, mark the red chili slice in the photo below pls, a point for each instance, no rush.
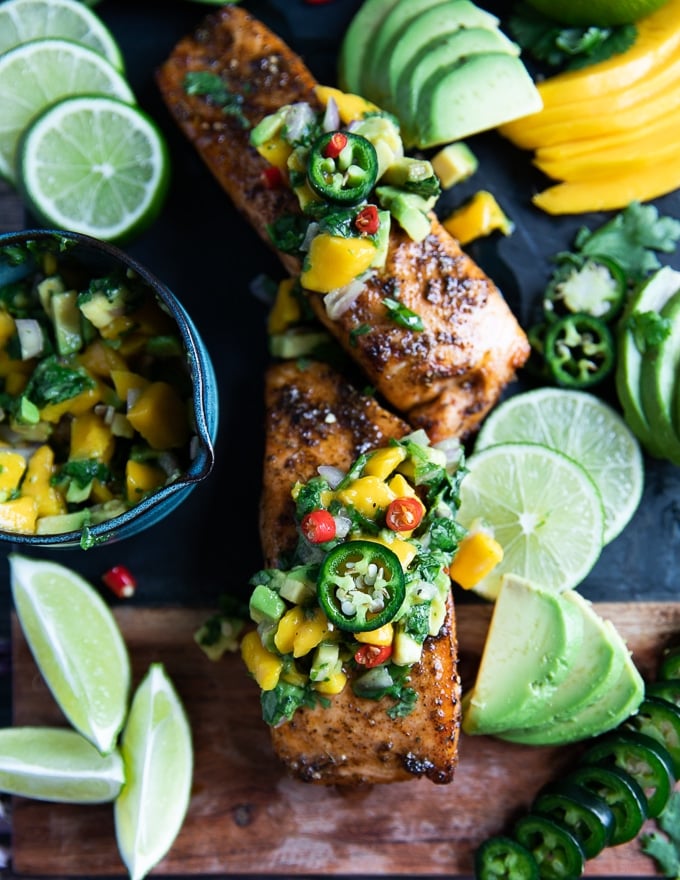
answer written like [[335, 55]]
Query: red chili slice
[[272, 177], [120, 581], [367, 220], [373, 655], [318, 526], [404, 514], [335, 145]]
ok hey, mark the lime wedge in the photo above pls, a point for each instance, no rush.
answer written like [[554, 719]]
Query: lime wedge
[[94, 165], [55, 764], [77, 645], [36, 74], [25, 20], [543, 508], [158, 759], [586, 429]]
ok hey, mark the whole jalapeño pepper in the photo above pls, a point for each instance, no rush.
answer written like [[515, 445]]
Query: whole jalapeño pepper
[[361, 586], [342, 167]]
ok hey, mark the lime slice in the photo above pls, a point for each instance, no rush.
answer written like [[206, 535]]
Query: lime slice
[[25, 20], [36, 74], [95, 165], [55, 764], [543, 508], [586, 429], [158, 759], [77, 645]]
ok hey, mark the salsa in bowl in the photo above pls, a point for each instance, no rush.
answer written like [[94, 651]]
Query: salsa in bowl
[[108, 396]]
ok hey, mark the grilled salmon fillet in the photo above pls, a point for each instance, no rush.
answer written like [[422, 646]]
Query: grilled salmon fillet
[[314, 417], [444, 379]]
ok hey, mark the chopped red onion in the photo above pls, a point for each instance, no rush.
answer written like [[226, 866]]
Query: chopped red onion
[[30, 337]]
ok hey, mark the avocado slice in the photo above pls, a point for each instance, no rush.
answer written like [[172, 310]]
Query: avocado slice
[[404, 13], [651, 296], [658, 373], [357, 40], [605, 713], [596, 669], [478, 93], [442, 52], [445, 18], [533, 642]]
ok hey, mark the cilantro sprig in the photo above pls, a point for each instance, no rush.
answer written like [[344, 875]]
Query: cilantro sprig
[[663, 845]]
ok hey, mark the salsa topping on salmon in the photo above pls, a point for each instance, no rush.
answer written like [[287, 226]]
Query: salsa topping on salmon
[[366, 583]]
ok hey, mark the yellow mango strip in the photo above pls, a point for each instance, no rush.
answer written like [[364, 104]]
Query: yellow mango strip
[[140, 478], [333, 261], [382, 636], [12, 467], [657, 131], [611, 193], [77, 405], [369, 495], [37, 483], [91, 437], [333, 685], [19, 515], [582, 125], [160, 416], [125, 380], [657, 43], [382, 462], [628, 159]]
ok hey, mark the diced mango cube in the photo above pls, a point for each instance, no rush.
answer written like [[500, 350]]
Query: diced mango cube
[[91, 437], [369, 495], [101, 359], [350, 107], [160, 415], [37, 483], [478, 217], [286, 309], [7, 327], [142, 477], [12, 467], [335, 684], [401, 487], [333, 261], [382, 636], [19, 515], [264, 666], [478, 554], [125, 380], [284, 638], [404, 551], [76, 405], [311, 632], [382, 462], [276, 151]]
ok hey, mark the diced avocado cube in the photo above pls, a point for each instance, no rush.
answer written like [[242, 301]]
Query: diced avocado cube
[[454, 163], [266, 605], [325, 663], [406, 650], [61, 523], [67, 322], [296, 588]]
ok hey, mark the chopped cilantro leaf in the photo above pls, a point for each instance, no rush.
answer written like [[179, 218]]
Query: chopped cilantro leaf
[[210, 85], [355, 332], [402, 315], [649, 329], [664, 845], [53, 381]]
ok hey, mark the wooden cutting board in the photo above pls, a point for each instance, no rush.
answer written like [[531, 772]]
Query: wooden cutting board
[[247, 817]]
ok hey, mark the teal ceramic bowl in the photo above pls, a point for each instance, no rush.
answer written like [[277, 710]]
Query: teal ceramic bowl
[[94, 256]]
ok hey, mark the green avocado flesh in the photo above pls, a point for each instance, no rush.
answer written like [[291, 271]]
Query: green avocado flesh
[[416, 34], [658, 379], [533, 642], [358, 41], [443, 50], [650, 297], [481, 92]]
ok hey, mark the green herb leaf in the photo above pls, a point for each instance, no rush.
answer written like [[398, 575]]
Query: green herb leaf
[[211, 86], [402, 315], [649, 329]]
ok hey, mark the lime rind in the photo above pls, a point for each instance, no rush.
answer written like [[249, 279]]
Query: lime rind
[[58, 765], [24, 20], [158, 759], [36, 74], [77, 646], [587, 430], [544, 509], [96, 165]]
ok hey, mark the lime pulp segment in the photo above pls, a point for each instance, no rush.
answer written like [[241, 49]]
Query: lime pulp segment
[[95, 165], [586, 429], [57, 764], [76, 644], [158, 759], [544, 510], [35, 75], [25, 20]]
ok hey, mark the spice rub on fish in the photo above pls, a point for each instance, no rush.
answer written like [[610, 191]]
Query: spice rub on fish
[[314, 418], [444, 377]]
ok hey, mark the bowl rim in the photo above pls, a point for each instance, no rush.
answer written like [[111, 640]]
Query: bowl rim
[[203, 381]]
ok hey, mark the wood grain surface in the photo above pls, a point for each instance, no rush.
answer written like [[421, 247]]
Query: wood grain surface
[[247, 817]]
